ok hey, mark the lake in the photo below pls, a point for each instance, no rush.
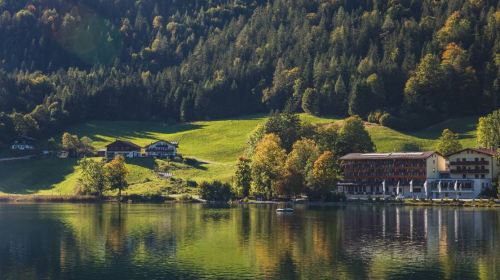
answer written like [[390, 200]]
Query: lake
[[194, 241]]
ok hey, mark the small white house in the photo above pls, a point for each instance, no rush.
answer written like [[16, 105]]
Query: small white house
[[23, 144], [162, 149]]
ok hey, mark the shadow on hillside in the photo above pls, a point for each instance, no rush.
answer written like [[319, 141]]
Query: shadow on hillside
[[131, 130], [31, 176], [195, 163], [148, 163], [464, 127]]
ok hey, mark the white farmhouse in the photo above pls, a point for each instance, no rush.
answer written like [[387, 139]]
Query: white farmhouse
[[162, 149]]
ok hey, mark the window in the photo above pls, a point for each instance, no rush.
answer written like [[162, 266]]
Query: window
[[464, 176], [477, 176], [482, 176]]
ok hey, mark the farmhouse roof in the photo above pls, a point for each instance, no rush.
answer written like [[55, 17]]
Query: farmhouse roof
[[123, 142], [176, 144], [384, 156]]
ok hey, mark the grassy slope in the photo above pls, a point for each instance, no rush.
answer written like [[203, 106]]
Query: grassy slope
[[216, 143], [388, 140]]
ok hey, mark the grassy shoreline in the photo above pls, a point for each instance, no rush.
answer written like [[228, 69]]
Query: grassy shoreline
[[488, 203]]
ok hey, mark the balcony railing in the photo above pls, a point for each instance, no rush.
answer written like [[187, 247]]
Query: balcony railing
[[470, 162], [470, 171]]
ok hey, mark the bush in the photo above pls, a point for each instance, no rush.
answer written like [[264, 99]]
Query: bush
[[216, 191], [389, 120], [489, 192], [408, 147], [191, 184], [374, 117]]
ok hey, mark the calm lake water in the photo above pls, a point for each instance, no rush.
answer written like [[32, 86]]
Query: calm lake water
[[183, 241]]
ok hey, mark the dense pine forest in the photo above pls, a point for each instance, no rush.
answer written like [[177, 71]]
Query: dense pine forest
[[402, 63]]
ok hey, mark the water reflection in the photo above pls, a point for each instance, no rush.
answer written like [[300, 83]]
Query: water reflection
[[176, 241]]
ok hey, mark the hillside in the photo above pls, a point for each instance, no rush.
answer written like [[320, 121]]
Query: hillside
[[216, 144], [416, 62]]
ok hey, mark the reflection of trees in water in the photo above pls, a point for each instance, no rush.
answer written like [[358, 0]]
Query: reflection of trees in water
[[25, 241], [176, 240]]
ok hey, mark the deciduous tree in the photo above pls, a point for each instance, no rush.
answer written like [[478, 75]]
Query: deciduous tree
[[116, 175], [354, 137], [488, 131], [448, 143], [92, 180], [267, 166], [243, 177], [324, 176]]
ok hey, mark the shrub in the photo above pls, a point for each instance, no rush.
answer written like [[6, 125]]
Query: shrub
[[489, 192], [216, 191], [374, 117], [389, 120], [191, 184], [408, 147]]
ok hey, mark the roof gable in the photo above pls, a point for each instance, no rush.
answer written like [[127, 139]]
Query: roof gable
[[123, 143], [174, 144], [483, 151]]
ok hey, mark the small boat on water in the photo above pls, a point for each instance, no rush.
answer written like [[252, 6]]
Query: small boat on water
[[284, 210]]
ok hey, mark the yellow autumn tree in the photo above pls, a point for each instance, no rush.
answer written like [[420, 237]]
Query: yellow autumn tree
[[324, 176], [116, 175], [456, 29], [454, 56], [267, 166]]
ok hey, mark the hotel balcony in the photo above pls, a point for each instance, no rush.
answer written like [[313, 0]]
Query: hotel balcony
[[469, 162], [470, 171]]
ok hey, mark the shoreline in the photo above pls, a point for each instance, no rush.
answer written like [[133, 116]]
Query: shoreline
[[21, 198]]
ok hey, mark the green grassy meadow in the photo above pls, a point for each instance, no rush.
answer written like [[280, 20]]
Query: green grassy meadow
[[215, 144]]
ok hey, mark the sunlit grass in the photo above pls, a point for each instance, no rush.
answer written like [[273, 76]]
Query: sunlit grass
[[215, 144]]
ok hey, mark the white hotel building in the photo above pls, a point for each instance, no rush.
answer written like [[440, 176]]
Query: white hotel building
[[464, 174]]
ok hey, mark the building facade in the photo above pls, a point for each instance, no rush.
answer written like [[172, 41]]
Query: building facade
[[125, 148], [162, 149], [462, 175], [473, 168], [391, 174], [23, 144]]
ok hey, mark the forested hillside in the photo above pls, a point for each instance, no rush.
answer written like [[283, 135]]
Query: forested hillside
[[403, 63]]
